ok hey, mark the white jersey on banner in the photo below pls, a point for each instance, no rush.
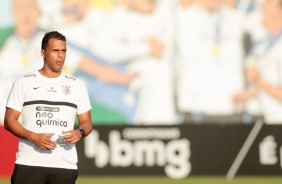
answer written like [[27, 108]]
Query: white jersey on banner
[[267, 56]]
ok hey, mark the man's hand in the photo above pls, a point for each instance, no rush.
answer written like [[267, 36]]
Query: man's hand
[[43, 141], [243, 97], [253, 75], [155, 47], [73, 136]]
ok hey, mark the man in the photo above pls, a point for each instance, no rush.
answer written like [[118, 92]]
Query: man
[[210, 58], [20, 47], [139, 35], [107, 83], [48, 100], [263, 72]]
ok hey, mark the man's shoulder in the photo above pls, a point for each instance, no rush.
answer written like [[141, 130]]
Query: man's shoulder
[[70, 77], [24, 79], [70, 81], [30, 74], [27, 76]]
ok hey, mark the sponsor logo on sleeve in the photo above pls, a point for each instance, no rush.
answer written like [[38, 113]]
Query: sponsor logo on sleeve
[[30, 75], [69, 77], [35, 88]]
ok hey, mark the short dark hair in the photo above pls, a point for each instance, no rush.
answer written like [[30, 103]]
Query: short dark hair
[[49, 35]]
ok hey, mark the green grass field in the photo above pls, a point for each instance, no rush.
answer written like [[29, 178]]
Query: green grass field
[[165, 180]]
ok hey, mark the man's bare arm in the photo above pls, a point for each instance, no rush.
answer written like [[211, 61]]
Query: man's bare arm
[[12, 124], [85, 123]]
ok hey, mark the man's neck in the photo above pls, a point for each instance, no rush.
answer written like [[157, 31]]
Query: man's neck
[[49, 74], [24, 35], [275, 28]]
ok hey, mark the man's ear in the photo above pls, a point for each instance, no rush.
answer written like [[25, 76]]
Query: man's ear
[[42, 53]]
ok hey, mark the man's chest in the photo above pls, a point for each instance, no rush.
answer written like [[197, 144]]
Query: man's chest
[[56, 92]]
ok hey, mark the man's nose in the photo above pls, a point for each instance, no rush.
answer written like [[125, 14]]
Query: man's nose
[[60, 54]]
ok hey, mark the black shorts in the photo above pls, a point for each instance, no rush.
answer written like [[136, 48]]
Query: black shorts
[[43, 175]]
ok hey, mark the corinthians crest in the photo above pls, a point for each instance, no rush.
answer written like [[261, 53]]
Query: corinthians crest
[[66, 90]]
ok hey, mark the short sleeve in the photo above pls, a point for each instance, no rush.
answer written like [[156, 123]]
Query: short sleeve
[[16, 97], [83, 99]]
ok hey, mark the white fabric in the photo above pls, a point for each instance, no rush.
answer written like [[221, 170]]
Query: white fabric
[[114, 43], [88, 27], [206, 82], [254, 26], [270, 67], [125, 41], [48, 105], [12, 53], [156, 104]]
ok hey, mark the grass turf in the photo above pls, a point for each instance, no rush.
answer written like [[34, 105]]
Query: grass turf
[[165, 180]]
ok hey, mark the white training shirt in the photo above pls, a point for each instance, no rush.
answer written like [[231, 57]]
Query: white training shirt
[[210, 65], [269, 63], [48, 105]]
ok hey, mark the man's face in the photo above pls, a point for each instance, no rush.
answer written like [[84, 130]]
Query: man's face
[[185, 3], [231, 3], [272, 11], [75, 9], [54, 55], [26, 15], [145, 6], [211, 4]]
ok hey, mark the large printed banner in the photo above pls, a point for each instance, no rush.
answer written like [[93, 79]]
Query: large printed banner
[[181, 151], [173, 151], [142, 62]]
